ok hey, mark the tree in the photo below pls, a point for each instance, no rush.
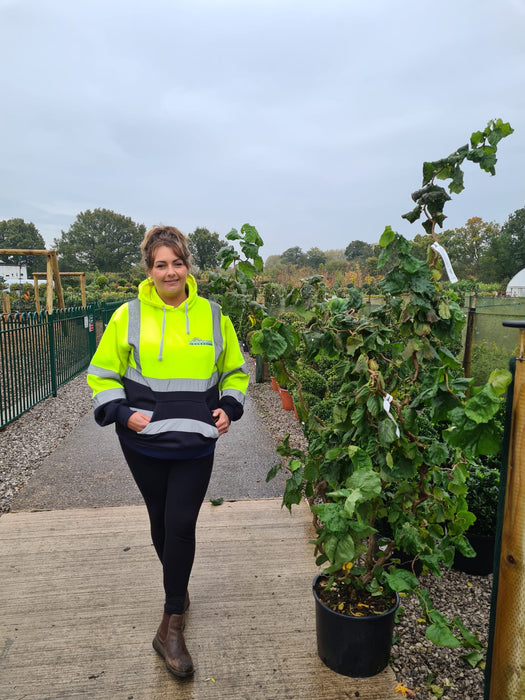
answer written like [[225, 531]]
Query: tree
[[314, 258], [16, 233], [293, 256], [508, 249], [359, 251], [204, 247], [102, 240]]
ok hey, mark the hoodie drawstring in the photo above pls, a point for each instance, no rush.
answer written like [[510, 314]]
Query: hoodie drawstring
[[187, 318], [162, 333]]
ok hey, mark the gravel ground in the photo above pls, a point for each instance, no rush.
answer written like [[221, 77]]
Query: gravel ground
[[28, 440], [425, 670]]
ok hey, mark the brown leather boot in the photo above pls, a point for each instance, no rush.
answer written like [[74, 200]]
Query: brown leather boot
[[163, 627], [172, 646]]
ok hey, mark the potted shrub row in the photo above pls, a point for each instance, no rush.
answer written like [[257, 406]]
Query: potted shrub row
[[403, 428], [388, 450]]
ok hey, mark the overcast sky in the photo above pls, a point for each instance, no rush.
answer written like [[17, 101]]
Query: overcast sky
[[308, 119]]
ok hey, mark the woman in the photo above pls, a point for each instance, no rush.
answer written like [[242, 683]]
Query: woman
[[170, 374]]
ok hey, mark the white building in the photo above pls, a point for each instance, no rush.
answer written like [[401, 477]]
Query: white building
[[516, 287], [14, 274]]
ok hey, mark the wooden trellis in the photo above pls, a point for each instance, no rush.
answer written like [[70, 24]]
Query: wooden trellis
[[80, 275], [52, 274]]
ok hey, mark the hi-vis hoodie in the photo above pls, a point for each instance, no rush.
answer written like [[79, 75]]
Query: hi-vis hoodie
[[174, 364]]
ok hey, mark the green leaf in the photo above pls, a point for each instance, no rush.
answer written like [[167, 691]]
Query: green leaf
[[269, 342], [483, 406], [353, 343], [387, 237], [401, 580], [247, 268], [339, 550], [386, 432], [500, 380], [476, 138], [412, 216], [470, 639], [437, 453], [368, 483], [360, 459], [473, 659], [216, 501], [234, 235], [439, 634], [273, 472], [251, 235]]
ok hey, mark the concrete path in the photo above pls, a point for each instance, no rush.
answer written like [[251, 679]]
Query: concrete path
[[88, 468]]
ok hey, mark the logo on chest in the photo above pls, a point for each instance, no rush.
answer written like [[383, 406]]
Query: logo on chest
[[199, 341]]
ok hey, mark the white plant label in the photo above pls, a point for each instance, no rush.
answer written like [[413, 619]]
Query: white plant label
[[387, 400], [446, 260]]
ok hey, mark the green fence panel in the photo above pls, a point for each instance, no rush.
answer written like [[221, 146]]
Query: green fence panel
[[39, 353]]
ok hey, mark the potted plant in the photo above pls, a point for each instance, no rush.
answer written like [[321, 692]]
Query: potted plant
[[378, 457], [482, 500]]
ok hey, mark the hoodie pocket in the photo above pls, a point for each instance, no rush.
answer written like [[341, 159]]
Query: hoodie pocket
[[185, 414]]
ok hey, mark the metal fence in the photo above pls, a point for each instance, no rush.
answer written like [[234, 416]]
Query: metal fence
[[40, 352]]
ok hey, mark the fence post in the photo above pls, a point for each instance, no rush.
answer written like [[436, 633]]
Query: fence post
[[52, 354], [467, 354]]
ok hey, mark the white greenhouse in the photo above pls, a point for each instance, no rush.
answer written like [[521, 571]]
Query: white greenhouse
[[516, 287]]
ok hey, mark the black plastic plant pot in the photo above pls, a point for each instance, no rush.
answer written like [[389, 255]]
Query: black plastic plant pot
[[483, 563], [353, 646]]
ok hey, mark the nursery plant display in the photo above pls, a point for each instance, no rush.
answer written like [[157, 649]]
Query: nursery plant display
[[375, 458]]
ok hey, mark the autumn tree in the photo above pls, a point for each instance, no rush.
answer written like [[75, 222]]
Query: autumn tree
[[358, 252], [204, 247], [314, 258], [293, 256], [508, 249], [16, 233], [101, 240]]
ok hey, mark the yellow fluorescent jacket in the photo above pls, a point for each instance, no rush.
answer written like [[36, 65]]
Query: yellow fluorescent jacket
[[175, 365]]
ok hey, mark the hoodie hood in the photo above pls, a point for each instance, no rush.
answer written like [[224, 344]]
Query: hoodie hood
[[148, 295]]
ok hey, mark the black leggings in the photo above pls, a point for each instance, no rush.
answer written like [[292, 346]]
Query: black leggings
[[173, 491]]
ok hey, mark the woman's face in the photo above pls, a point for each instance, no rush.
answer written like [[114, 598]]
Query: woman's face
[[169, 275]]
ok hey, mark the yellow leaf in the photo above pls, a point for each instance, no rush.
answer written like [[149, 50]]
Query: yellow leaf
[[400, 688]]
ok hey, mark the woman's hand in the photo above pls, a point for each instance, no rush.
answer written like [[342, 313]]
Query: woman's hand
[[137, 421], [222, 422]]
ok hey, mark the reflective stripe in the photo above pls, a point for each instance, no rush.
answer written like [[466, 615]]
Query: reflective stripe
[[104, 373], [134, 330], [141, 410], [162, 385], [242, 369], [234, 393], [217, 335], [180, 425], [108, 395]]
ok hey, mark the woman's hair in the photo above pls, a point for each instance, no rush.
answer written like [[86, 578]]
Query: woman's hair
[[168, 236]]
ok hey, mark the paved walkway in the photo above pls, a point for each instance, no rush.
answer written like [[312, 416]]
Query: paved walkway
[[81, 587]]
